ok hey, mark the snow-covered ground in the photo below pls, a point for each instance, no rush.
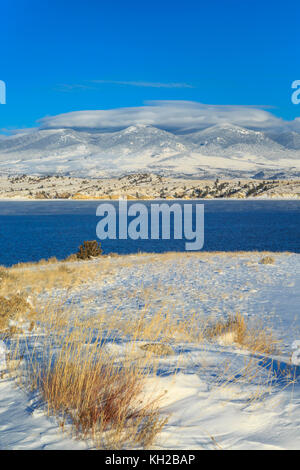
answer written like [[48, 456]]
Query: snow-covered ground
[[211, 402], [24, 428]]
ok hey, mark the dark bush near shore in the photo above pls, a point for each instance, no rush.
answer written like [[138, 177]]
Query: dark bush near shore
[[89, 249]]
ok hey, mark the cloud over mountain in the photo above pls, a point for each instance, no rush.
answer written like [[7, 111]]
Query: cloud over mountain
[[167, 137], [172, 115]]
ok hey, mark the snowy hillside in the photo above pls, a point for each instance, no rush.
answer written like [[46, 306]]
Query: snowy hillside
[[217, 382], [220, 150]]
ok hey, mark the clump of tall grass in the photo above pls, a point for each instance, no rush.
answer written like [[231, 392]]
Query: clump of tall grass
[[11, 309], [267, 260], [103, 401], [236, 330], [102, 396]]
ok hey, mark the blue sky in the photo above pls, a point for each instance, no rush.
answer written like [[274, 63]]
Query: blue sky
[[64, 56]]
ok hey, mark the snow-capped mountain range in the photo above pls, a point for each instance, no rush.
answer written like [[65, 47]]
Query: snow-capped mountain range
[[221, 150]]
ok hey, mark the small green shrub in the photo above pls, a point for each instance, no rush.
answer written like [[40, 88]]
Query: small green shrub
[[89, 249]]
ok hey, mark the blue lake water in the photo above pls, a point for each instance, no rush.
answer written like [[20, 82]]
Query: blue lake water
[[30, 230]]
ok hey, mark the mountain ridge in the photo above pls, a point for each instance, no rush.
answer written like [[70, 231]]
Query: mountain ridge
[[219, 150]]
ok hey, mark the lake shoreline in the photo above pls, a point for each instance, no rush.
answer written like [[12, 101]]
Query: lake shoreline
[[228, 199], [143, 186], [31, 230]]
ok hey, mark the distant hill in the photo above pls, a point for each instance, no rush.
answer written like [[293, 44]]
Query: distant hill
[[223, 150]]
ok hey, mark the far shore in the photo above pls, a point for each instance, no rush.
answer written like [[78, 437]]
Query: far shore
[[144, 186], [11, 199]]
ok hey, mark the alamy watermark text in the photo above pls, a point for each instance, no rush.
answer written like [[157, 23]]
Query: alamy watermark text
[[2, 92], [149, 221], [296, 93]]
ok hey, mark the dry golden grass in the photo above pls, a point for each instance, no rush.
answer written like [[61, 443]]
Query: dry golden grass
[[102, 399], [267, 260], [4, 273], [51, 265], [160, 326], [158, 348], [11, 309], [236, 330], [41, 262], [34, 279], [102, 395]]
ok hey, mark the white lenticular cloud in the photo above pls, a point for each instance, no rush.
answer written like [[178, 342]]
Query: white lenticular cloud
[[144, 84], [171, 115]]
